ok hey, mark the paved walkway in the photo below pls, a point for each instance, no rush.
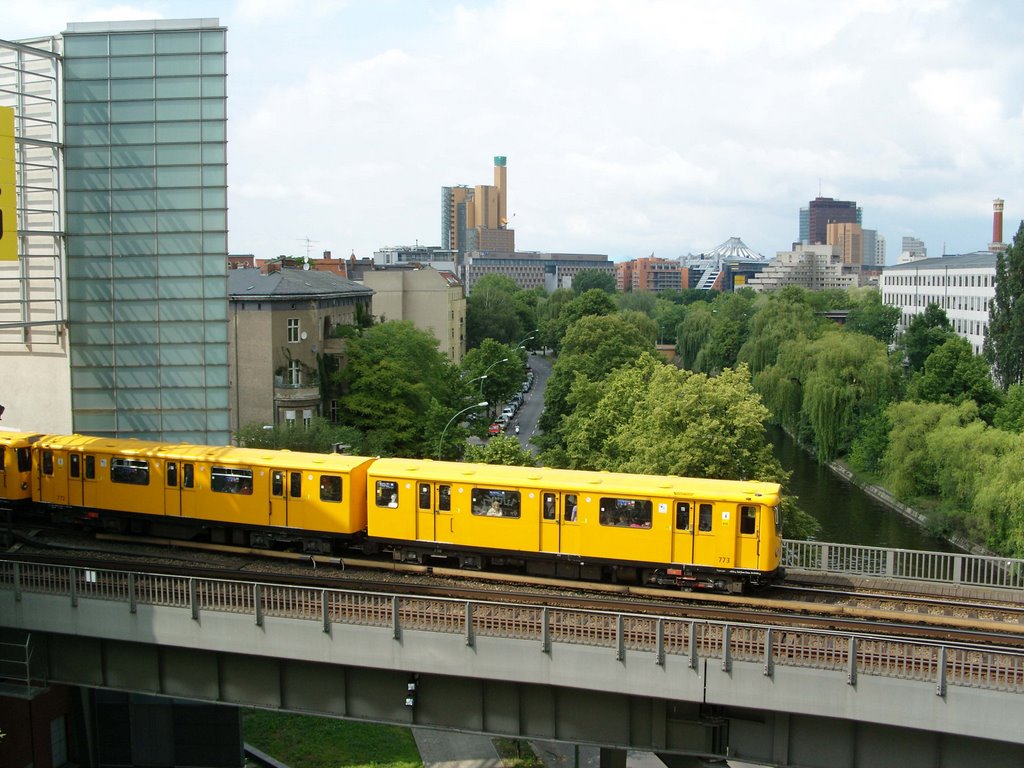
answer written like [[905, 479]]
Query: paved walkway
[[451, 749]]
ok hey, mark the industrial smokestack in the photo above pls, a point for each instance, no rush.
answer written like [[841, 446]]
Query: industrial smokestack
[[997, 226]]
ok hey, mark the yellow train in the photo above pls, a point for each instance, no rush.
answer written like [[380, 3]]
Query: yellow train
[[716, 534]]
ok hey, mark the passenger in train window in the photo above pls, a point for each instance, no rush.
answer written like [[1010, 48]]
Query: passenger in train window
[[387, 493], [682, 516], [495, 509], [570, 508], [549, 506]]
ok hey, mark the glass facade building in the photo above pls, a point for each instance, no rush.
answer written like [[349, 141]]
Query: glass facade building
[[146, 221]]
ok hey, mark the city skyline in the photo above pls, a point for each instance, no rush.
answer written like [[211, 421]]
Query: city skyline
[[629, 129]]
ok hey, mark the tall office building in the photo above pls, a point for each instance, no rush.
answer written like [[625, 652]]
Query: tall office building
[[145, 208], [821, 212], [476, 219]]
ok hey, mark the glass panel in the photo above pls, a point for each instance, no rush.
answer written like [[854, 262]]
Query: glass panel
[[131, 44], [130, 471], [214, 153], [183, 109], [92, 312], [93, 399], [85, 69], [89, 290], [131, 111], [177, 88], [93, 423], [88, 223], [214, 87], [96, 378], [92, 356], [214, 109], [493, 502], [182, 310], [215, 243], [179, 199], [330, 488], [92, 334], [181, 332], [180, 221], [178, 42], [141, 133], [215, 220], [215, 176], [86, 90], [213, 40], [130, 289], [85, 45], [86, 158], [86, 135], [177, 65], [180, 176], [139, 421], [217, 375], [181, 354], [135, 245], [138, 356], [229, 479], [88, 202], [132, 178], [215, 309], [127, 90], [139, 378], [135, 399], [178, 132], [87, 179], [91, 267], [184, 398], [135, 223], [214, 287], [180, 288], [213, 64], [134, 200], [215, 198], [132, 157], [217, 398], [215, 355], [216, 332], [179, 154], [135, 333], [87, 113], [132, 66], [214, 130], [180, 243], [135, 312]]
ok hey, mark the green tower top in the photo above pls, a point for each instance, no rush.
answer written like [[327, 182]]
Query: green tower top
[[499, 160]]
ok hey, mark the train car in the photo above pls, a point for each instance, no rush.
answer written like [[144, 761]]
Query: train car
[[686, 532], [16, 468], [244, 496]]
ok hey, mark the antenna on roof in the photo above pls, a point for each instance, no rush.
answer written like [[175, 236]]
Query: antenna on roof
[[309, 244]]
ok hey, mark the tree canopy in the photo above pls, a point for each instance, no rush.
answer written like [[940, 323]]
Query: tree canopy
[[590, 279], [953, 374], [1004, 342]]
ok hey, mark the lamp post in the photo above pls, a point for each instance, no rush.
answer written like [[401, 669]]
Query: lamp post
[[487, 370], [532, 334], [453, 418], [481, 380]]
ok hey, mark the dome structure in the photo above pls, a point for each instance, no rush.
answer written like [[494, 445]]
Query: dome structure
[[734, 248]]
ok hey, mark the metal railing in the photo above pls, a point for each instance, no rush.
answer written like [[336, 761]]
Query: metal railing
[[720, 642], [944, 567]]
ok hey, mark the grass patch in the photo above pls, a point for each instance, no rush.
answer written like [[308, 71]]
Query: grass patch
[[305, 741], [517, 753]]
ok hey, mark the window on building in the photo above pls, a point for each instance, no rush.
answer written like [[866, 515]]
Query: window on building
[[293, 330], [289, 418], [294, 374], [307, 418]]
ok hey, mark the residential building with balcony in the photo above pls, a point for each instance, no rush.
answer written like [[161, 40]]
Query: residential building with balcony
[[814, 267], [281, 331]]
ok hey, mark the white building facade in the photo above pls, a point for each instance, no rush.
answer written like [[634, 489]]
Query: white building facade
[[963, 286]]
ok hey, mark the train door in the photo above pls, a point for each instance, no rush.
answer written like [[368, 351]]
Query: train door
[[444, 523], [706, 534], [76, 487], [188, 501], [682, 533], [550, 524], [278, 499], [425, 512], [90, 486], [747, 540], [569, 531], [172, 492]]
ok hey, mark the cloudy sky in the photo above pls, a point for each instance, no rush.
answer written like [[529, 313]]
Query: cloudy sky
[[630, 126]]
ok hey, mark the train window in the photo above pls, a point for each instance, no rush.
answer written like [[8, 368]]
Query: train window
[[491, 502], [330, 488], [47, 462], [90, 467], [444, 498], [748, 519], [231, 480], [625, 513], [172, 474], [682, 516], [277, 483], [704, 518], [24, 460], [570, 507], [188, 478], [75, 465], [550, 512], [424, 496], [129, 471], [295, 485], [387, 493], [778, 520]]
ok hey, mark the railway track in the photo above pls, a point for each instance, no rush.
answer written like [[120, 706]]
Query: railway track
[[875, 613]]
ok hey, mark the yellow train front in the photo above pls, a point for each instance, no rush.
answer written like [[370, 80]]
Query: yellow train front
[[16, 468], [711, 534], [241, 496]]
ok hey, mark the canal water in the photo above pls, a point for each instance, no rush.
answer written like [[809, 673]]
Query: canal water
[[847, 514]]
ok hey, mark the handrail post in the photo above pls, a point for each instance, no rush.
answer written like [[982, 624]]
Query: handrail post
[[769, 661], [693, 645], [131, 592], [851, 662], [17, 582], [726, 647], [940, 678], [545, 630], [396, 626], [193, 598], [620, 638], [659, 656], [325, 610], [469, 623], [257, 603], [73, 585]]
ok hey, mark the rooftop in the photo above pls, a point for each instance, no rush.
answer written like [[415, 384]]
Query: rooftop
[[290, 283]]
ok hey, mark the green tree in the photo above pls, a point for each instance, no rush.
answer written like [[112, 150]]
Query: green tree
[[492, 311], [319, 437], [1010, 415], [641, 301], [953, 374], [908, 467], [668, 315], [1004, 342], [399, 390], [501, 449], [693, 333], [778, 317], [924, 334], [731, 314], [873, 318], [591, 279], [503, 378]]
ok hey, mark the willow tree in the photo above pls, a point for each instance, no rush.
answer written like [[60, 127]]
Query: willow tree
[[781, 316], [693, 333]]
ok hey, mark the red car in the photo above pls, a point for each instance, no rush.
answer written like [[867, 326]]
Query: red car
[[494, 429]]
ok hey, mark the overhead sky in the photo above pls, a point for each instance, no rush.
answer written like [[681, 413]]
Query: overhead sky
[[631, 127]]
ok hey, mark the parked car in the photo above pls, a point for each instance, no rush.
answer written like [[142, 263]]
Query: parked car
[[494, 429]]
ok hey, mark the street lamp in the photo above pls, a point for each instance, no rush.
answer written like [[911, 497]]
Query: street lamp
[[453, 418], [532, 334], [487, 370], [481, 380]]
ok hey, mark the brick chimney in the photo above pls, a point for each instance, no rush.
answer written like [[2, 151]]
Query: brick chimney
[[997, 226]]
